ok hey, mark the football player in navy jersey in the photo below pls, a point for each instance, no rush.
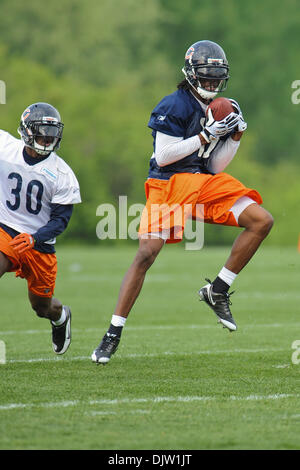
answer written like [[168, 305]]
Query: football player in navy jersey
[[37, 193], [190, 153]]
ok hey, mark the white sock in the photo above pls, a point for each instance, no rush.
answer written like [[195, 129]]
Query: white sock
[[116, 320], [61, 319], [227, 276]]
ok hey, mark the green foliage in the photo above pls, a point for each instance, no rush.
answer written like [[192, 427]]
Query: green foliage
[[106, 64], [102, 42]]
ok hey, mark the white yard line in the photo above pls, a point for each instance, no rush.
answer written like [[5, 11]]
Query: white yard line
[[152, 327], [158, 354], [156, 400], [147, 328]]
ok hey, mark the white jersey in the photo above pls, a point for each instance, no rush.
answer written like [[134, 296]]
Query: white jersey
[[26, 191]]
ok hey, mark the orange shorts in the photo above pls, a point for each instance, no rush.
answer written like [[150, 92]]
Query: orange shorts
[[39, 269], [191, 195]]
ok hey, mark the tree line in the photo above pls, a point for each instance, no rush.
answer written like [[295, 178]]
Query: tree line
[[105, 65]]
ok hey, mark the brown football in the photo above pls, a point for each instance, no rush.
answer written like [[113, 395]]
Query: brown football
[[220, 108]]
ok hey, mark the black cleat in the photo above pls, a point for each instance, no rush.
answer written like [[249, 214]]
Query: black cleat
[[61, 335], [106, 348], [219, 303]]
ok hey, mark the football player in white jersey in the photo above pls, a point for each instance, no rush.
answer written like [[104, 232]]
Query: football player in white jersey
[[37, 193]]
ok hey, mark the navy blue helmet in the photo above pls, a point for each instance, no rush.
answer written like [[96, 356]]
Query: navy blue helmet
[[41, 128], [206, 68]]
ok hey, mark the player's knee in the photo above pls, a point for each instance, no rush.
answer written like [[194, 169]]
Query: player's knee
[[257, 220], [146, 256], [266, 223], [262, 224], [41, 310]]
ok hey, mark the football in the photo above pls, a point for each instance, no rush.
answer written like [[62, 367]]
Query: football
[[220, 108]]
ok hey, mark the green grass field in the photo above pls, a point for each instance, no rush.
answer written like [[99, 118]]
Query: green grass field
[[178, 380]]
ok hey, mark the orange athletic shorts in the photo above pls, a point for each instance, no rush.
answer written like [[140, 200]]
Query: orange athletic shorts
[[39, 269], [191, 195]]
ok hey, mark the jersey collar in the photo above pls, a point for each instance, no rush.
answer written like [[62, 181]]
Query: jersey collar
[[31, 160]]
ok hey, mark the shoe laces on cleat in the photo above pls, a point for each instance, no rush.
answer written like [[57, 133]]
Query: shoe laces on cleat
[[109, 343], [226, 295]]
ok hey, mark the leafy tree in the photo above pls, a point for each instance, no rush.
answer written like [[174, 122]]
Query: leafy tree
[[106, 64]]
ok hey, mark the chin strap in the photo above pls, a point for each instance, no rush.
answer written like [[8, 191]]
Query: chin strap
[[207, 95]]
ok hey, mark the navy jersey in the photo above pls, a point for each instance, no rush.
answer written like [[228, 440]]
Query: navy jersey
[[180, 115]]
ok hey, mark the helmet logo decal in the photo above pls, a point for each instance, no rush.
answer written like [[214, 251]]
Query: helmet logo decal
[[26, 113], [215, 61], [189, 53]]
